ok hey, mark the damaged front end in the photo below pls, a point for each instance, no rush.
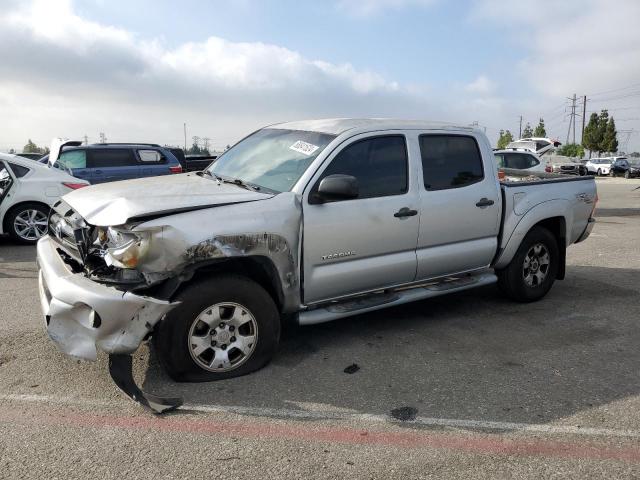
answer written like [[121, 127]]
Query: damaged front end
[[88, 302]]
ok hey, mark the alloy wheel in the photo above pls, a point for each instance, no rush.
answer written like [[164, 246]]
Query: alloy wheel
[[223, 337], [536, 265], [30, 224]]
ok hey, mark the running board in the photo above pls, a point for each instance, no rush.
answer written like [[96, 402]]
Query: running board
[[378, 301]]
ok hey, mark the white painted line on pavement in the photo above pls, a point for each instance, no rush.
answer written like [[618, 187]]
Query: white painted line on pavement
[[288, 413]]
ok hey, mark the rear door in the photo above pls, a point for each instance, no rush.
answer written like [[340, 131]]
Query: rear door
[[362, 244], [111, 164], [6, 185], [459, 205]]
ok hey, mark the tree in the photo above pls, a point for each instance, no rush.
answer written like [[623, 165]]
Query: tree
[[609, 139], [31, 147], [633, 154], [504, 139], [528, 131], [591, 139], [540, 130], [11, 150], [571, 150]]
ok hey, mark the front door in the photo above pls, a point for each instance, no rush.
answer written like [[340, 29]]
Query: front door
[[459, 206], [362, 244]]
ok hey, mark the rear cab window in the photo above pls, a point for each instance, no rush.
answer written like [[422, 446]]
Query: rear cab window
[[450, 161]]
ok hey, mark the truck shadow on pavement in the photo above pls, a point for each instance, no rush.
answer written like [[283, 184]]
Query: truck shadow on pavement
[[473, 355]]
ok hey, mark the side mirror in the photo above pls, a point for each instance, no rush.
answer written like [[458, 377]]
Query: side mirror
[[337, 187]]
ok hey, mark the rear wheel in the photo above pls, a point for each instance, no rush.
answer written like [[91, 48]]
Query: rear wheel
[[28, 222], [627, 174], [533, 269], [224, 327]]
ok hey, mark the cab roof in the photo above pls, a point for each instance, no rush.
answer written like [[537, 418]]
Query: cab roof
[[337, 126]]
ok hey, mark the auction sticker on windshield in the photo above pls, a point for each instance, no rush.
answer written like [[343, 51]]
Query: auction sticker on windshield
[[304, 147]]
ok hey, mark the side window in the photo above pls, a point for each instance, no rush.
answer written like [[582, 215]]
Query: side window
[[111, 157], [533, 161], [500, 160], [379, 164], [18, 170], [450, 161], [73, 159], [517, 161], [150, 156]]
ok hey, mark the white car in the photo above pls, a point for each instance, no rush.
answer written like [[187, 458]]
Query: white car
[[599, 166], [519, 160], [27, 191]]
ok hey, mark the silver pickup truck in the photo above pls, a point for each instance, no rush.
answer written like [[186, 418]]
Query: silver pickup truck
[[312, 221]]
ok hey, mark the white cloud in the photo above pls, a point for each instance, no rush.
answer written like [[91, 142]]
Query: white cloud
[[87, 77], [572, 46], [367, 8], [481, 85]]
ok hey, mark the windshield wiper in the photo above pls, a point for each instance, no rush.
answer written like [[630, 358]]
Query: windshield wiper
[[241, 183]]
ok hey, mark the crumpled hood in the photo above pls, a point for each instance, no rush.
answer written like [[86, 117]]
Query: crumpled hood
[[116, 203]]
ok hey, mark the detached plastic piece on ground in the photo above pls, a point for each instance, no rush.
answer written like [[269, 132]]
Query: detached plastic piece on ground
[[120, 369]]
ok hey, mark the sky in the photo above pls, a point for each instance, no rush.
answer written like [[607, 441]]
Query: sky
[[137, 70]]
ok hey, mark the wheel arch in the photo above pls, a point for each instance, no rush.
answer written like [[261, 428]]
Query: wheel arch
[[258, 268], [553, 215]]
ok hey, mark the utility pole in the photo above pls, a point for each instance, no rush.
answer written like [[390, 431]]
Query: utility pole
[[584, 116], [103, 138], [86, 139], [205, 143], [572, 120], [520, 134], [185, 137]]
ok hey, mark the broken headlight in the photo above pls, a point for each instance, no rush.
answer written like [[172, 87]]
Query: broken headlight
[[125, 249]]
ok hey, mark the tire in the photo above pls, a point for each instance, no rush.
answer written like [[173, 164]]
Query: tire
[[518, 282], [27, 222], [599, 172], [185, 343], [627, 174]]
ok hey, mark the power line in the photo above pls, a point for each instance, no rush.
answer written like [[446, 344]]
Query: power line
[[614, 90]]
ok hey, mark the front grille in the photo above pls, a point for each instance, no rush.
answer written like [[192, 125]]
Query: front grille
[[568, 167], [68, 229]]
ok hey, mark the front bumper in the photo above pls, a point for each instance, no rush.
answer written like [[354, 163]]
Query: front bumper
[[587, 231], [82, 316]]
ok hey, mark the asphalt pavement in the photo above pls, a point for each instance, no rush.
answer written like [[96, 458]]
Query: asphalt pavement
[[470, 385]]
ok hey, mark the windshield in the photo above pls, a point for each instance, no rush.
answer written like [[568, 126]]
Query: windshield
[[271, 158]]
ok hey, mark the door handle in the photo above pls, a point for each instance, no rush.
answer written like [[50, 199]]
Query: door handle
[[484, 202], [405, 212], [98, 172]]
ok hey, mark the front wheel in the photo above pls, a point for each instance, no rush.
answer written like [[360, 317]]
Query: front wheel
[[599, 172], [627, 174], [533, 269], [224, 327]]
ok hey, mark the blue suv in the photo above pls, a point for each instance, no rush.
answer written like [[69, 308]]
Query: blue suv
[[108, 162]]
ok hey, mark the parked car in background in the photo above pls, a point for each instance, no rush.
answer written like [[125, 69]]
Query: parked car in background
[[27, 191], [599, 166], [197, 163], [519, 160], [31, 156], [108, 162], [537, 145], [621, 167], [567, 168]]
